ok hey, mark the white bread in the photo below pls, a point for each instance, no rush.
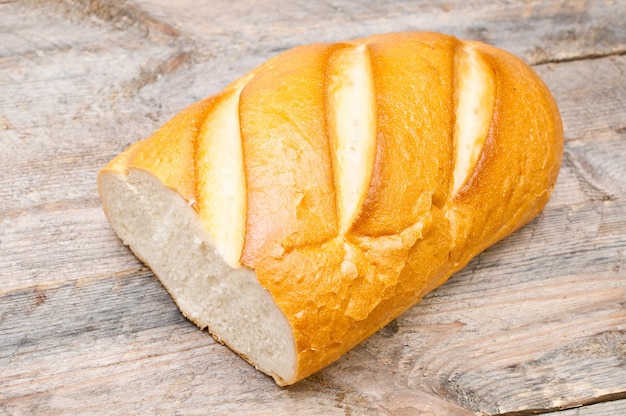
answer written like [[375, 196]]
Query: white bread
[[318, 197]]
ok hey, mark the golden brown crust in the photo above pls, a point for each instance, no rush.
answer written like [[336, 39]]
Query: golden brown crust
[[291, 199], [411, 233], [518, 167], [414, 130], [169, 153]]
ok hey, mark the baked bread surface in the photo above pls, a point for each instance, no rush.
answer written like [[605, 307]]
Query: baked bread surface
[[318, 197]]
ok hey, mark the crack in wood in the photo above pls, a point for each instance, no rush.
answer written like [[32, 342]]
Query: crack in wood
[[586, 57], [596, 400]]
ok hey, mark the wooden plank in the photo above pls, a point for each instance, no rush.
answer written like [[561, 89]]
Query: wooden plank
[[64, 114], [125, 335], [477, 342], [534, 324], [539, 31], [617, 407]]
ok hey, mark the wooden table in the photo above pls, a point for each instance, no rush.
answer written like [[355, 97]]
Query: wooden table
[[535, 324]]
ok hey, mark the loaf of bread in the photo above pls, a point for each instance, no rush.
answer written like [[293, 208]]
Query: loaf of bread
[[322, 194]]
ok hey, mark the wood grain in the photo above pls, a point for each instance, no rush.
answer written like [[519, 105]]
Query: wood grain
[[536, 324]]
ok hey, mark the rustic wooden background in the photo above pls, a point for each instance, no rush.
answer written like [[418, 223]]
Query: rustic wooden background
[[535, 324]]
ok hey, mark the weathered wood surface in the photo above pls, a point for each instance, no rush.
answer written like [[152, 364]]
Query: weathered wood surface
[[535, 324]]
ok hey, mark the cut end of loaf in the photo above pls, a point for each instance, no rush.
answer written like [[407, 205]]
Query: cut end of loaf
[[165, 232]]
